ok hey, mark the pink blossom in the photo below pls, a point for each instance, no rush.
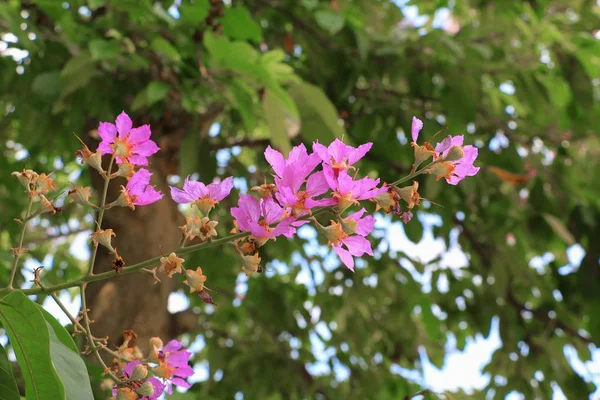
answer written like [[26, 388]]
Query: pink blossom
[[159, 388], [293, 170], [302, 201], [204, 196], [462, 167], [415, 128], [348, 191], [128, 144], [257, 216], [173, 365], [339, 155], [138, 191], [351, 237]]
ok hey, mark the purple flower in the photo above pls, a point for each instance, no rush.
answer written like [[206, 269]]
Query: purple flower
[[339, 155], [293, 170], [348, 191], [460, 159], [138, 191], [257, 216], [204, 196], [173, 365], [302, 201], [125, 142], [348, 237], [158, 386], [415, 128]]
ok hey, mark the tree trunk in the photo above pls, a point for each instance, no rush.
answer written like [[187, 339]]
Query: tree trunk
[[134, 301]]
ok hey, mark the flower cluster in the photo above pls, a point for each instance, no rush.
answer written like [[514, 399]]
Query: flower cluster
[[148, 378]]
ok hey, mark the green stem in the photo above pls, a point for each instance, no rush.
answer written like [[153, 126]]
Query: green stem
[[413, 174], [18, 252], [101, 210]]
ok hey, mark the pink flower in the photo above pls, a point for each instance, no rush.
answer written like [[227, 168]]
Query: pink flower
[[348, 191], [138, 191], [295, 168], [173, 365], [415, 128], [460, 159], [204, 196], [339, 155], [128, 144], [257, 216], [302, 201], [348, 237], [159, 388]]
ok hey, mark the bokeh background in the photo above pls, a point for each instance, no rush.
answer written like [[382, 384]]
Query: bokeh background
[[493, 293]]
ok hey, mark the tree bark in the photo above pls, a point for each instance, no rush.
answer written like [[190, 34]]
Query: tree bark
[[134, 301]]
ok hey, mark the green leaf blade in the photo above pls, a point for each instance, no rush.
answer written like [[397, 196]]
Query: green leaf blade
[[8, 385]]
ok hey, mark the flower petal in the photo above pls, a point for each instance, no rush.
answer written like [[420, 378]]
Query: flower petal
[[146, 148], [219, 190], [124, 124], [345, 256], [416, 127], [180, 196], [140, 134], [107, 131], [135, 159], [276, 160], [316, 184], [358, 245], [358, 153]]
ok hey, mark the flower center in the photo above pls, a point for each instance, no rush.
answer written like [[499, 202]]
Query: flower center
[[122, 147]]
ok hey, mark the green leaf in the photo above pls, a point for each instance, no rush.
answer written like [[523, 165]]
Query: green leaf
[[244, 98], [28, 333], [156, 91], [8, 385], [318, 116], [275, 114], [69, 365], [59, 330], [46, 84], [330, 21], [239, 25], [196, 13], [163, 47], [414, 230], [104, 49]]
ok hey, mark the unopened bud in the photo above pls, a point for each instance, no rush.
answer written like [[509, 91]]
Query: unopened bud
[[195, 280], [156, 343], [126, 393], [80, 195], [103, 237], [455, 153], [46, 206], [386, 201], [126, 170], [140, 371], [146, 390]]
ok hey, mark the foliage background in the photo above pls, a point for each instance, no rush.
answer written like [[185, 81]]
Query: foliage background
[[219, 81]]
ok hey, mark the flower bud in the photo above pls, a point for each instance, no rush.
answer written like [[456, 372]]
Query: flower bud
[[406, 217], [140, 371], [103, 237], [410, 194], [80, 195], [146, 390], [349, 225], [156, 343], [126, 393], [46, 206], [172, 264], [126, 170], [250, 264], [26, 177], [94, 160], [454, 154], [195, 280]]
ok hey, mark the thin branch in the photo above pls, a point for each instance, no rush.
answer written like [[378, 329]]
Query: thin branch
[[18, 251]]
